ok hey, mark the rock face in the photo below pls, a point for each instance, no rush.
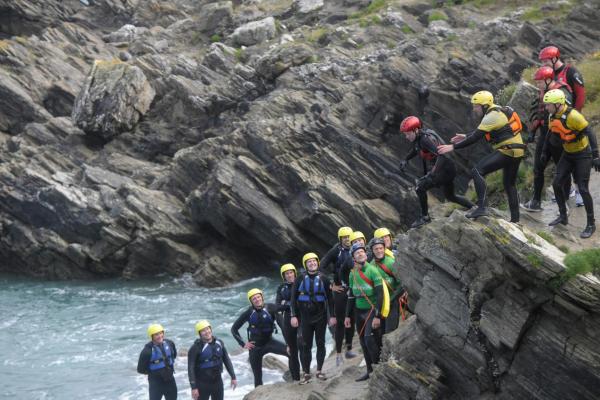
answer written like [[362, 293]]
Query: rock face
[[114, 97], [490, 322], [232, 136]]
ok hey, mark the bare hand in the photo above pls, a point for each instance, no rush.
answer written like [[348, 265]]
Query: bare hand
[[337, 288], [347, 322], [195, 394], [459, 137], [376, 323], [294, 322], [249, 345], [332, 321], [445, 148], [233, 384]]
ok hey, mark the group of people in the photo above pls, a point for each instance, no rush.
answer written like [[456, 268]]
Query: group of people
[[354, 288], [565, 137]]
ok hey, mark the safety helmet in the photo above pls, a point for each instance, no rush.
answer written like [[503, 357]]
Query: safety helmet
[[381, 232], [344, 231], [410, 123], [355, 247], [555, 96], [376, 242], [253, 292], [200, 325], [483, 98], [543, 73], [153, 329], [548, 53], [287, 267], [357, 235], [307, 257]]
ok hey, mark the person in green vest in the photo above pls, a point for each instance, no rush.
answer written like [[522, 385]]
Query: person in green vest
[[365, 298], [383, 264]]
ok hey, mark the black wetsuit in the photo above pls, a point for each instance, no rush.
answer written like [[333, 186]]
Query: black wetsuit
[[311, 303], [340, 257], [290, 334], [441, 174], [205, 364], [161, 381], [260, 331]]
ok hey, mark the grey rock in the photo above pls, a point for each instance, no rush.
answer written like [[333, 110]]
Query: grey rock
[[127, 33], [254, 32], [307, 6], [215, 17]]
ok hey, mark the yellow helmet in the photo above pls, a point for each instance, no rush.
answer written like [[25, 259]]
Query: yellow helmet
[[357, 235], [483, 97], [287, 267], [555, 96], [153, 329], [253, 292], [307, 257], [381, 232], [344, 231], [200, 325]]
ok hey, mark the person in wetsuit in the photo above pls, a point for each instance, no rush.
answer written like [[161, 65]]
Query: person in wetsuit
[[503, 131], [283, 299], [260, 317], [441, 174], [339, 257], [206, 358], [313, 302], [544, 78], [579, 156], [157, 360], [365, 299]]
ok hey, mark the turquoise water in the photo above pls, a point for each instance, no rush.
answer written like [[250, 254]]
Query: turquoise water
[[76, 340]]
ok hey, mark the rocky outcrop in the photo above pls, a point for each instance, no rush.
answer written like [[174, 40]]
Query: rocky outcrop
[[114, 97], [490, 320], [255, 32]]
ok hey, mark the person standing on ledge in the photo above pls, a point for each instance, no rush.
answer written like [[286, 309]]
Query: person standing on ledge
[[157, 360]]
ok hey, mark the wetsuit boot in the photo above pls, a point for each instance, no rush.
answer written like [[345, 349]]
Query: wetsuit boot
[[424, 219], [589, 229], [561, 219]]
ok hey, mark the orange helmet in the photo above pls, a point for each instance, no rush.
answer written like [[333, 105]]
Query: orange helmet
[[549, 52], [544, 73], [409, 124]]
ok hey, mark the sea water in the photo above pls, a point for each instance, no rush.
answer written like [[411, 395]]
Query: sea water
[[82, 340]]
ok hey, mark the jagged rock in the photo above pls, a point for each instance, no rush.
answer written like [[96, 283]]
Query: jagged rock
[[307, 6], [127, 33], [112, 100], [255, 32], [216, 17], [220, 57], [282, 58]]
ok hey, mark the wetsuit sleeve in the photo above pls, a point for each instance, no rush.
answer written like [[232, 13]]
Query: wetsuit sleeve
[[379, 298], [278, 297], [593, 142], [345, 270], [144, 360], [328, 259], [471, 138], [238, 324], [273, 309], [174, 348], [192, 355], [575, 80], [293, 300], [329, 295], [227, 362], [413, 152], [431, 147]]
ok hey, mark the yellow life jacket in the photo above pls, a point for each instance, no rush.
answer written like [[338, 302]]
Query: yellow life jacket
[[569, 126]]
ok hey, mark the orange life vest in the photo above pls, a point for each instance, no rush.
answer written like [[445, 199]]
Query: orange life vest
[[559, 127], [514, 124]]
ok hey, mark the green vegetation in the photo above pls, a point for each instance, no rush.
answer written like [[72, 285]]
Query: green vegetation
[[579, 263], [547, 236], [590, 69], [215, 38], [531, 239], [372, 8], [240, 54], [535, 13], [535, 260], [564, 248], [312, 59], [317, 35], [504, 96], [407, 29], [437, 16]]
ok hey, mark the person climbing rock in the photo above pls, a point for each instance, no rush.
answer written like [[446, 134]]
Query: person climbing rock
[[339, 257], [312, 301], [501, 127], [206, 358], [157, 360], [260, 317], [386, 236], [441, 173], [544, 79], [580, 154], [383, 264], [365, 299], [283, 299]]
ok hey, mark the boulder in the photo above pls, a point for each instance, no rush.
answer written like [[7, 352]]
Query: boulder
[[114, 98], [215, 17], [255, 32]]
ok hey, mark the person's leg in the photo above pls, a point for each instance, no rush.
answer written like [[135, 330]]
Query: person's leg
[[320, 329], [256, 355], [490, 163], [339, 309], [581, 175], [155, 389], [373, 339], [217, 390], [307, 338], [539, 167], [509, 180], [562, 173], [555, 152], [360, 317], [290, 335], [206, 390], [171, 390]]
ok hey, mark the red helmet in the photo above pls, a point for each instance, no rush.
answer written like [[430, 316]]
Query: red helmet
[[409, 124], [548, 53], [544, 73]]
